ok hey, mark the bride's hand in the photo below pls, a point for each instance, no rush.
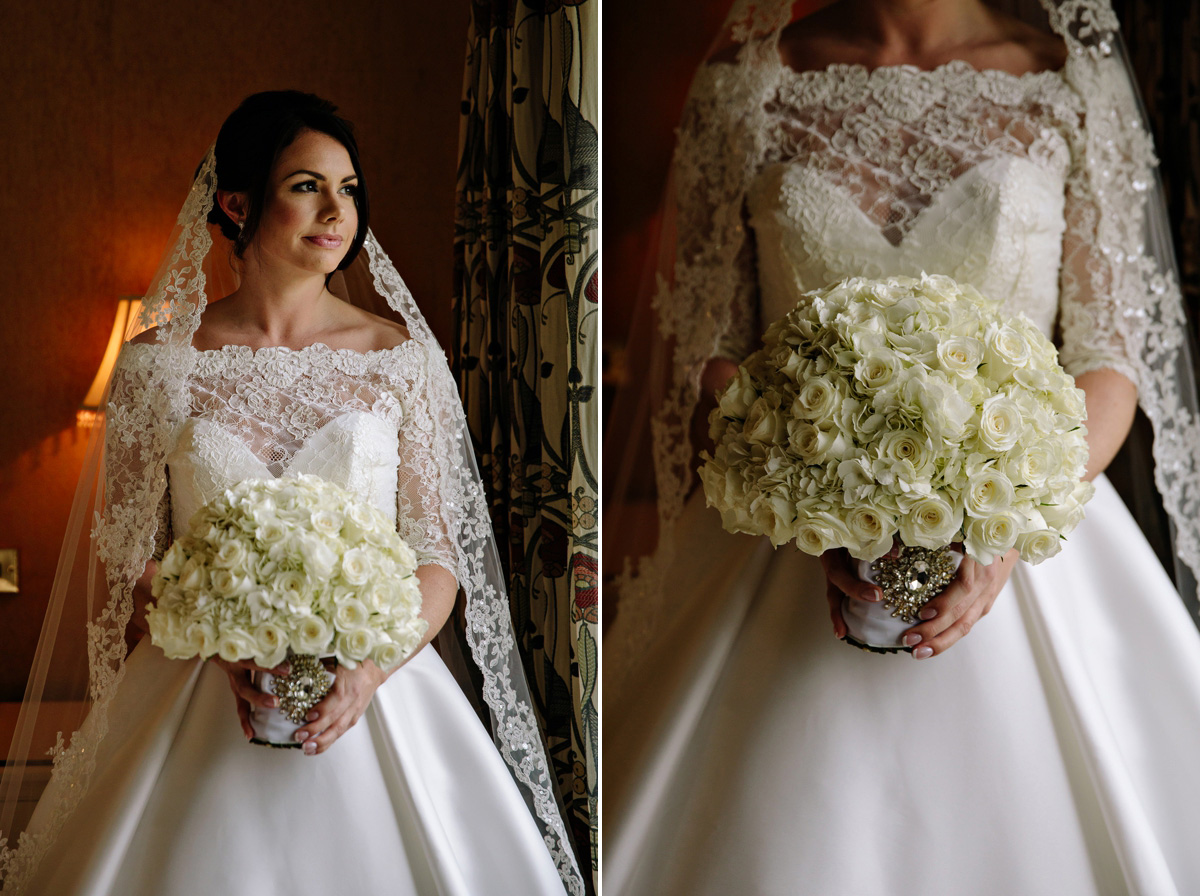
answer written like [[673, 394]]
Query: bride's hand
[[342, 707], [841, 579], [245, 693], [965, 601]]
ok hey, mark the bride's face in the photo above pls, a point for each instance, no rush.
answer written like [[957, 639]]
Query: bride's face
[[309, 216]]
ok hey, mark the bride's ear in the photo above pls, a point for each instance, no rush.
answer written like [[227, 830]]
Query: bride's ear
[[235, 204]]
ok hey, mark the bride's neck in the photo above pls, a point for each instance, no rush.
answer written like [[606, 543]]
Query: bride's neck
[[903, 30], [279, 309]]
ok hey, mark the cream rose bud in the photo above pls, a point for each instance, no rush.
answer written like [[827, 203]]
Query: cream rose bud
[[201, 639], [1070, 401], [1000, 423], [931, 522], [1038, 545], [194, 576]]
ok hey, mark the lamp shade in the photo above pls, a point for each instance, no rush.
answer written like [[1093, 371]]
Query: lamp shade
[[90, 412]]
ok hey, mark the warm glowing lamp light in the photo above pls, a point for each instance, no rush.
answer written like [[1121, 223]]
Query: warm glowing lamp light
[[90, 412]]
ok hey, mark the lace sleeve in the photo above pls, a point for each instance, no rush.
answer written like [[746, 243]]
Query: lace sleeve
[[1104, 290], [711, 307], [423, 503], [134, 477]]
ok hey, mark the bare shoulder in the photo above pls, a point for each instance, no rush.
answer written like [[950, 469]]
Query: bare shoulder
[[1016, 47], [371, 332], [822, 39]]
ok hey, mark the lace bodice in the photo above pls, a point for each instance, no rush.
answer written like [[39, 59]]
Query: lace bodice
[[360, 420], [974, 174]]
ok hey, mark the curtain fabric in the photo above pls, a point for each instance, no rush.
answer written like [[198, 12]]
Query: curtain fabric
[[526, 313]]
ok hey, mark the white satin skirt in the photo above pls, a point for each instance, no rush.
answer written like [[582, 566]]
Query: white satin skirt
[[414, 800], [1053, 751]]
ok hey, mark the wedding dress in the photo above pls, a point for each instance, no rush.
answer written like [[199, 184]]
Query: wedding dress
[[414, 799], [1051, 751]]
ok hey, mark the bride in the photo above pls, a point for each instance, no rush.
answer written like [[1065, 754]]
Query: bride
[[396, 786], [1039, 739]]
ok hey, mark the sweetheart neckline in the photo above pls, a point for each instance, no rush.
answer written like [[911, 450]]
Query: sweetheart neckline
[[285, 467], [934, 199]]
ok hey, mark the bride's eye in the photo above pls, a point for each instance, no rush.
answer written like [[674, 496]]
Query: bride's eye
[[305, 186], [350, 189]]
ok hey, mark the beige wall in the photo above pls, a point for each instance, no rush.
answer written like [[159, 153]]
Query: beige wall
[[105, 110]]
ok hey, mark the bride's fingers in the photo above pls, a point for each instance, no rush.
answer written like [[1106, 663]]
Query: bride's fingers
[[840, 572], [834, 595], [961, 627]]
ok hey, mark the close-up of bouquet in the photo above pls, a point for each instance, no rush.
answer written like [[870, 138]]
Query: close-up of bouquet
[[289, 569], [901, 409]]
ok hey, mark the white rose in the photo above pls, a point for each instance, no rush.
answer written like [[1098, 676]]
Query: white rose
[[1005, 350], [991, 536], [931, 522], [819, 533], [173, 561], [354, 646], [235, 644], [1000, 423], [764, 422], [876, 369], [270, 645], [327, 522], [351, 614], [816, 399], [319, 558], [194, 576], [388, 655], [201, 639], [1038, 545], [960, 355], [312, 636], [356, 566], [871, 532], [270, 531], [739, 394], [988, 491]]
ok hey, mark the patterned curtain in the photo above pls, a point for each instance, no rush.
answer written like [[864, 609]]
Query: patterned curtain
[[526, 349]]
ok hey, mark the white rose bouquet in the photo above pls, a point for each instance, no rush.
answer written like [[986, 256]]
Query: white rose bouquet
[[902, 407], [294, 567]]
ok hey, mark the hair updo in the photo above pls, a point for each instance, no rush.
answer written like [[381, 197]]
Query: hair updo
[[250, 142]]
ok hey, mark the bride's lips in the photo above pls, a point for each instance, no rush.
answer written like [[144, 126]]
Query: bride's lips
[[325, 240]]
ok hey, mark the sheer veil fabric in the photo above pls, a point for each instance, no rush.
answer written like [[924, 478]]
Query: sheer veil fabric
[[1121, 304], [119, 521]]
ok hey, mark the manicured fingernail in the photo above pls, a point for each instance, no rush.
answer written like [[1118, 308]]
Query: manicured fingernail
[[874, 594], [923, 652], [310, 748], [912, 639], [272, 702], [313, 716], [302, 736], [927, 613]]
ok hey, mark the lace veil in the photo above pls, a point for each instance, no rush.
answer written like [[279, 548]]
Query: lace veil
[[119, 519], [1120, 304]]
